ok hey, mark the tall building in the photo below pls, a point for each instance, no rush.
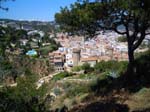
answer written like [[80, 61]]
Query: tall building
[[76, 57]]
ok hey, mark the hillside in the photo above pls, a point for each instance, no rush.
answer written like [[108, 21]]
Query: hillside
[[45, 26], [102, 92], [107, 87]]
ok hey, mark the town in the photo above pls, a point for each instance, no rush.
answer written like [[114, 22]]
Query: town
[[72, 50], [74, 55]]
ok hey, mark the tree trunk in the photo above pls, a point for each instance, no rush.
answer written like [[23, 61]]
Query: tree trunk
[[131, 60], [131, 56]]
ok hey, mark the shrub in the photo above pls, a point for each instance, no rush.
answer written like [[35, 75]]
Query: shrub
[[102, 84], [57, 91], [87, 68], [122, 39], [77, 68], [143, 46], [115, 66], [61, 75], [77, 90], [142, 64], [24, 97], [6, 65], [122, 67]]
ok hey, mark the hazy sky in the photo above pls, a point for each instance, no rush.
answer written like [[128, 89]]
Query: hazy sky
[[33, 9]]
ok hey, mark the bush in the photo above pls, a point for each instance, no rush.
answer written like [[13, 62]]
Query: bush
[[143, 46], [142, 64], [103, 66], [77, 90], [122, 67], [24, 97], [115, 66], [102, 84], [77, 68], [57, 91], [61, 75], [87, 68], [122, 39], [6, 65]]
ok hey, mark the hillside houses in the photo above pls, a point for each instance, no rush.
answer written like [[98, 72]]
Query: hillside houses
[[76, 50]]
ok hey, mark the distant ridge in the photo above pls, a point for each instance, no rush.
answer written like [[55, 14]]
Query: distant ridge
[[45, 26], [14, 20]]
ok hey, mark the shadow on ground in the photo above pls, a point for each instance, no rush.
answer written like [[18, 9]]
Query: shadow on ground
[[147, 110], [102, 107]]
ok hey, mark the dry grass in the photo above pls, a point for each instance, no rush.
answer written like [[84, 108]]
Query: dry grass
[[139, 100]]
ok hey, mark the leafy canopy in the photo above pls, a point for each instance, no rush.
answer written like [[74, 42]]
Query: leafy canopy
[[127, 17]]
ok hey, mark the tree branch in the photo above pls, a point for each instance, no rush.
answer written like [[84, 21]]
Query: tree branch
[[119, 32], [136, 45], [147, 33]]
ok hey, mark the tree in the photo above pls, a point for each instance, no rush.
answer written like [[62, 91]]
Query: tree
[[9, 36], [4, 8], [5, 38], [89, 17], [24, 97]]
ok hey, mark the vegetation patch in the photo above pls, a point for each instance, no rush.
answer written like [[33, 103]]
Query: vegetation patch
[[61, 75], [140, 100]]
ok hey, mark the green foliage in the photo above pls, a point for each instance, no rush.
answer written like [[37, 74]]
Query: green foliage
[[24, 97], [122, 39], [61, 75], [6, 65], [57, 91], [143, 91], [26, 88], [142, 64], [77, 68], [102, 84], [77, 90], [143, 56], [143, 46], [44, 50], [80, 17], [48, 39], [6, 70], [118, 67], [86, 67], [86, 76], [9, 36], [88, 17]]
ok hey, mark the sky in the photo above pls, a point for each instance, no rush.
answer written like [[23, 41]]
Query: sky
[[43, 10]]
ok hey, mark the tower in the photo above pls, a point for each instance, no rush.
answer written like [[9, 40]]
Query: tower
[[76, 57]]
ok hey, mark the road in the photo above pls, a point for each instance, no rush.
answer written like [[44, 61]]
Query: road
[[45, 79]]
